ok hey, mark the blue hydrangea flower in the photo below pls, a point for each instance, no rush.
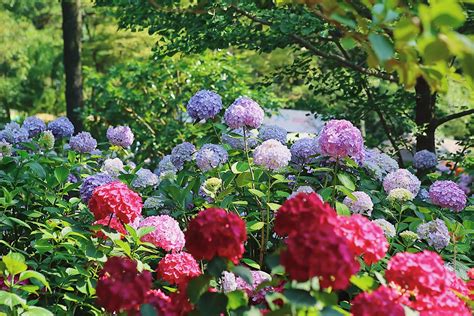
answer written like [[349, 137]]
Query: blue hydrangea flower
[[204, 104], [236, 139], [424, 159], [182, 153], [272, 132], [83, 142], [303, 149], [92, 182], [34, 125], [435, 233], [165, 164], [14, 134], [72, 178], [145, 178], [378, 163], [120, 136], [61, 127], [211, 156]]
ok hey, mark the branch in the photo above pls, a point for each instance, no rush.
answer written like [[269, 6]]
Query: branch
[[454, 116], [308, 45]]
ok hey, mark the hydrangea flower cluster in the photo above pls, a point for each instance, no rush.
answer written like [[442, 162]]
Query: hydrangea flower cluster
[[154, 202], [271, 154], [204, 104], [178, 268], [382, 301], [14, 134], [387, 227], [267, 132], [46, 140], [211, 156], [237, 141], [113, 167], [61, 127], [244, 112], [303, 151], [120, 286], [400, 195], [115, 198], [34, 125], [424, 159], [409, 237], [378, 163], [145, 178], [90, 183], [339, 139], [448, 194], [167, 234], [361, 204], [258, 277], [182, 153], [120, 136], [83, 142], [303, 189], [464, 182], [5, 149], [214, 232], [435, 233], [401, 178]]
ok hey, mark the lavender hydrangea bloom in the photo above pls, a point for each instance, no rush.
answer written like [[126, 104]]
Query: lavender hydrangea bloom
[[112, 167], [92, 182], [72, 178], [145, 178], [464, 182], [228, 282], [304, 189], [83, 142], [120, 136], [5, 149], [272, 155], [34, 125], [61, 127], [204, 104], [424, 195], [244, 112], [401, 178], [237, 142], [182, 153], [435, 233], [303, 149], [14, 134], [448, 194], [387, 227], [211, 156], [273, 132], [379, 164], [424, 159], [339, 139], [165, 165], [362, 203]]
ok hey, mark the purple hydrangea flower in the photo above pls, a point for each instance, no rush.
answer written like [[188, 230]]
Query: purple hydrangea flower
[[61, 127], [423, 195], [14, 134], [182, 153], [362, 203], [378, 163], [83, 142], [72, 178], [401, 178], [244, 112], [272, 155], [435, 233], [273, 132], [34, 125], [165, 165], [210, 156], [303, 149], [424, 159], [120, 136], [339, 139], [464, 182], [448, 194], [92, 182], [145, 178], [204, 104], [237, 141]]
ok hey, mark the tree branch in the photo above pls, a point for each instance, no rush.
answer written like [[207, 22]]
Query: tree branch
[[441, 121]]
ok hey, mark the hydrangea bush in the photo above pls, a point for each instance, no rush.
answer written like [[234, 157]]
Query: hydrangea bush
[[242, 222]]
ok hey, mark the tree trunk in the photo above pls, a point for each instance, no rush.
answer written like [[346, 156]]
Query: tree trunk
[[72, 34], [424, 115]]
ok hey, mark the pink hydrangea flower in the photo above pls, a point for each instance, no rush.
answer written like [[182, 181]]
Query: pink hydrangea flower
[[339, 139], [403, 179], [178, 268], [361, 204], [167, 234]]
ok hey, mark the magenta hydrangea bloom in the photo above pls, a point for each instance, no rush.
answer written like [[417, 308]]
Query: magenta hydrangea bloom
[[361, 204], [448, 194], [244, 112], [401, 178], [272, 155], [339, 139], [167, 234], [120, 136], [204, 104]]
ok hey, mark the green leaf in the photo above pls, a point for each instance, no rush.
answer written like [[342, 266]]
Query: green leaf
[[382, 47], [236, 299], [258, 193], [244, 273], [37, 169], [299, 297], [255, 226], [342, 209], [212, 304], [344, 20], [147, 310], [346, 181], [364, 282], [36, 311], [239, 167], [273, 206], [198, 286], [251, 263], [14, 262], [145, 230], [10, 299], [61, 174], [35, 275], [216, 266]]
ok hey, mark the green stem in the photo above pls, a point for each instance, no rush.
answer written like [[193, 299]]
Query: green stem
[[248, 158], [334, 182]]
